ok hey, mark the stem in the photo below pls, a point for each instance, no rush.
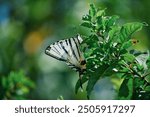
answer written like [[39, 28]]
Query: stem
[[132, 70], [135, 73], [146, 75]]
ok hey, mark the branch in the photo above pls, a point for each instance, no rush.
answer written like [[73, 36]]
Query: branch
[[132, 70], [146, 75]]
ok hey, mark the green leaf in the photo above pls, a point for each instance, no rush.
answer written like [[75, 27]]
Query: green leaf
[[109, 48], [95, 77], [99, 23], [86, 18], [60, 98], [126, 45], [129, 57], [92, 10], [100, 13], [86, 24], [114, 32], [147, 88], [112, 20], [128, 29], [126, 89], [148, 62], [83, 80], [138, 83], [16, 85]]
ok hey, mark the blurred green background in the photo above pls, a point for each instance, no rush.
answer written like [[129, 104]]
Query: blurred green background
[[27, 27]]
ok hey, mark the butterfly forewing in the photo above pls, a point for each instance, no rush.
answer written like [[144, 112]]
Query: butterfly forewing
[[67, 50], [55, 52]]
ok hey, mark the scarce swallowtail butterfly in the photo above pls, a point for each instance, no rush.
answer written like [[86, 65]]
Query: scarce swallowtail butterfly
[[68, 50]]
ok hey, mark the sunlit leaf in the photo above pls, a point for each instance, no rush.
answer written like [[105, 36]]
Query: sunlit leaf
[[109, 52], [129, 57], [92, 10], [128, 29], [112, 21], [100, 13], [126, 45], [16, 86]]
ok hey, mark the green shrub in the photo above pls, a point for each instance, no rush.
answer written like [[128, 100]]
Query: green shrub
[[15, 86], [109, 51]]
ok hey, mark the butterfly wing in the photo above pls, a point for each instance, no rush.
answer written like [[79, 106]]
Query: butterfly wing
[[67, 50]]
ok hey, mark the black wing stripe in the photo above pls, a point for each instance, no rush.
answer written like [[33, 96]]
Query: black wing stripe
[[66, 42], [72, 49], [48, 53], [63, 47], [71, 65], [58, 45], [60, 50], [60, 59], [56, 50], [77, 46], [78, 40]]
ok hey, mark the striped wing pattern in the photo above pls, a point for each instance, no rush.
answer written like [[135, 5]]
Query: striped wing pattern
[[68, 51]]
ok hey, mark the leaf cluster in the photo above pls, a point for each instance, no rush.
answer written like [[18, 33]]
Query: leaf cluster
[[109, 51], [15, 86]]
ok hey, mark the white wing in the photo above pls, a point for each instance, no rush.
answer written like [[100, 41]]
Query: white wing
[[67, 50]]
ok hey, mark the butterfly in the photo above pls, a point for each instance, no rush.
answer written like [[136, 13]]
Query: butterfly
[[68, 50]]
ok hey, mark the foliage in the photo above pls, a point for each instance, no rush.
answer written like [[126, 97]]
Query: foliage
[[27, 26], [109, 50], [15, 86]]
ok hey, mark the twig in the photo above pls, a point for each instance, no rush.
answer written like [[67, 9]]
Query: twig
[[146, 75]]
